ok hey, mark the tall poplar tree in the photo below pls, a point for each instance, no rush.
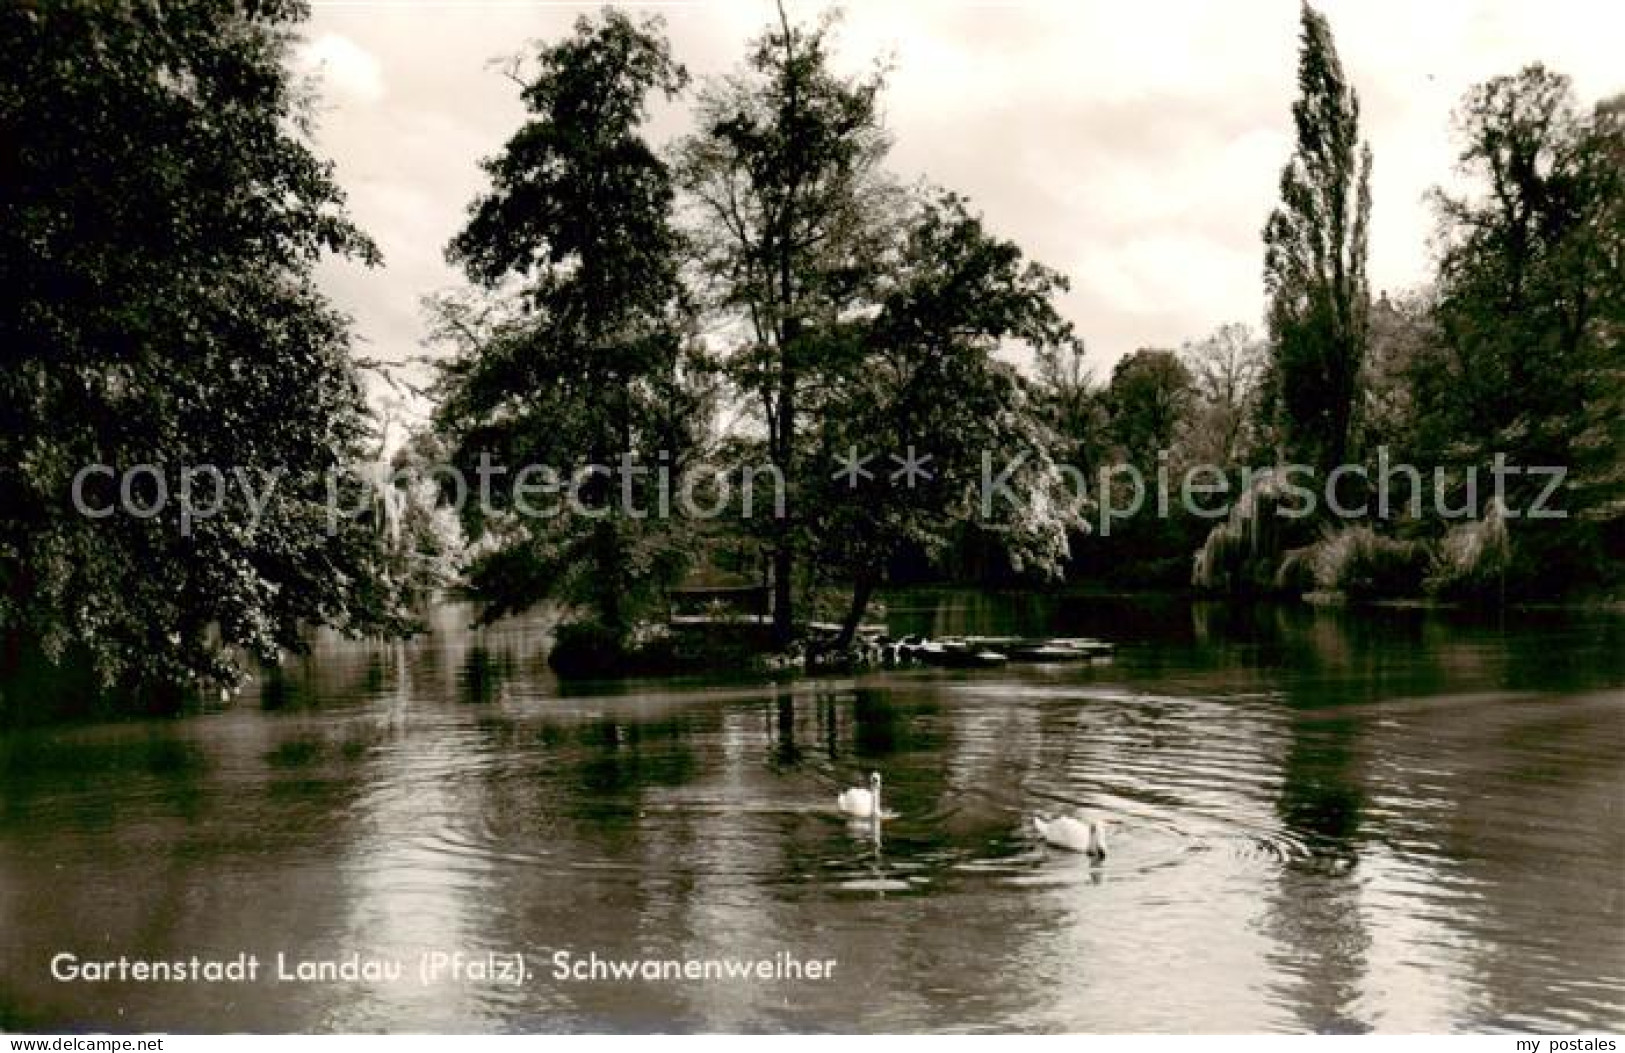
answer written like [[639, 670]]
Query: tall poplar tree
[[1315, 260]]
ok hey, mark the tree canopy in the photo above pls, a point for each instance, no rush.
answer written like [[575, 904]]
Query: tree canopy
[[795, 213], [1528, 353], [161, 213], [572, 351], [926, 399]]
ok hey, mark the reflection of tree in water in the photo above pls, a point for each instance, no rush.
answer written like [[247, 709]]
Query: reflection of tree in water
[[185, 828], [624, 757], [1321, 802], [902, 734], [1528, 865], [786, 752], [878, 727], [1440, 680], [872, 723], [485, 674], [339, 671], [1313, 915], [605, 851]]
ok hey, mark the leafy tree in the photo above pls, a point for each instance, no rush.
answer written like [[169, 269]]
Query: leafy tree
[[1150, 397], [785, 171], [1073, 407], [1402, 334], [160, 217], [572, 352], [421, 536], [1530, 303], [1315, 260], [923, 379], [1225, 368], [1151, 401]]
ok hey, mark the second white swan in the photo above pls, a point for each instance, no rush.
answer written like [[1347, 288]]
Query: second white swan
[[1075, 835]]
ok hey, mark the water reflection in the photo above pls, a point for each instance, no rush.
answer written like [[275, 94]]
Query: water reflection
[[1323, 819]]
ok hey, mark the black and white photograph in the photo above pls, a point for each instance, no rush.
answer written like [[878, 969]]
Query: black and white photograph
[[864, 517]]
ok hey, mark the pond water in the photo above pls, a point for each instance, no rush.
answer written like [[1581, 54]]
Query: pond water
[[1326, 820]]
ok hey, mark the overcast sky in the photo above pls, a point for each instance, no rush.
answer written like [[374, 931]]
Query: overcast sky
[[1135, 146]]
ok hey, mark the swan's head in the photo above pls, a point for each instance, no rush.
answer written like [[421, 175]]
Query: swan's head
[[1097, 839], [874, 782]]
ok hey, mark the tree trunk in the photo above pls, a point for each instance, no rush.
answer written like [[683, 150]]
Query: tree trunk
[[784, 625], [784, 622], [862, 590]]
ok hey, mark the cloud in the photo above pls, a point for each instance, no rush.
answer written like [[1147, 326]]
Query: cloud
[[1135, 147]]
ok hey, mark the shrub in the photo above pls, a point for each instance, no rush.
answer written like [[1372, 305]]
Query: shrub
[[1362, 564], [1473, 559], [587, 650], [1245, 554], [1296, 574]]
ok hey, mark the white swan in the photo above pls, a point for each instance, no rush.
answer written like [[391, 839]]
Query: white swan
[[1076, 835], [860, 803]]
